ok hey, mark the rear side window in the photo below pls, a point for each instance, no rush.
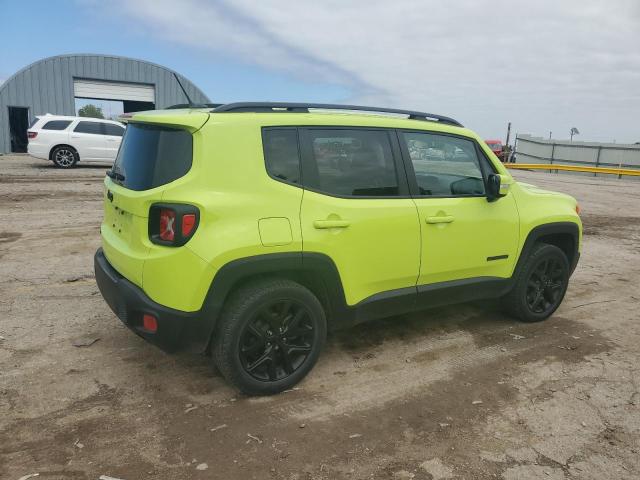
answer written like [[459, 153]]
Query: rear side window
[[89, 127], [281, 154], [56, 125], [152, 155], [355, 162], [111, 129], [445, 165]]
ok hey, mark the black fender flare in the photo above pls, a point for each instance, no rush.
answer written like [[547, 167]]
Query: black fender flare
[[314, 270], [548, 231]]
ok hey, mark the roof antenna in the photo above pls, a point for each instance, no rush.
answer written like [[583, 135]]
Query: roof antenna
[[191, 104]]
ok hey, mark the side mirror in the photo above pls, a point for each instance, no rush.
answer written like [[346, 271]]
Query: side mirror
[[495, 189]]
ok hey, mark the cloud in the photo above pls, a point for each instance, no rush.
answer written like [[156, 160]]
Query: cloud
[[544, 65]]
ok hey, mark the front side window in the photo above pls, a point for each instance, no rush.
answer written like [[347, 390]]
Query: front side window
[[354, 162], [445, 165], [89, 127], [281, 154], [56, 125]]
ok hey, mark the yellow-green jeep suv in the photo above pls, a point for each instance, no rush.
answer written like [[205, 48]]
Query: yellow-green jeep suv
[[250, 229]]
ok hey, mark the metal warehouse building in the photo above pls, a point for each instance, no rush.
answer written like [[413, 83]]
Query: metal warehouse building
[[53, 84]]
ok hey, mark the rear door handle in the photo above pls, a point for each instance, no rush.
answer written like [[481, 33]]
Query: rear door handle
[[331, 224], [440, 219]]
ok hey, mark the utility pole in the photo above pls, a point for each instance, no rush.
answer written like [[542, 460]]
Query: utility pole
[[508, 133], [550, 132]]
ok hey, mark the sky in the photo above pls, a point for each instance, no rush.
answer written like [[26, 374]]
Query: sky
[[544, 65]]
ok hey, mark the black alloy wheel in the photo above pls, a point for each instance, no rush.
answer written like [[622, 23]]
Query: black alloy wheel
[[540, 284], [269, 335], [545, 286], [277, 340]]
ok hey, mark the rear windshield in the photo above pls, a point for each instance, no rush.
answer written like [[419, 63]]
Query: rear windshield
[[152, 155]]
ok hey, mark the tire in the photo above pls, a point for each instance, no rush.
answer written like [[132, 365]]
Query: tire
[[64, 156], [540, 284], [269, 336]]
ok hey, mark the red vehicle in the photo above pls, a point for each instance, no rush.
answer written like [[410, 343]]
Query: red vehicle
[[495, 146]]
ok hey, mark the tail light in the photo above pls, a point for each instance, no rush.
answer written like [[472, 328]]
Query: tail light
[[172, 225], [32, 134]]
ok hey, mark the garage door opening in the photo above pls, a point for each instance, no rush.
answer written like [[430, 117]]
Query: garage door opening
[[97, 98], [18, 125]]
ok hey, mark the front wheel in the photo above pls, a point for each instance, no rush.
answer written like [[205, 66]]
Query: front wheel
[[269, 336], [540, 284]]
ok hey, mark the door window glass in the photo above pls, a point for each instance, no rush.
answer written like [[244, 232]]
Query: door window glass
[[89, 127], [114, 130], [354, 162], [445, 165]]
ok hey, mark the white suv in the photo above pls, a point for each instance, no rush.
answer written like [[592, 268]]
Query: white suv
[[67, 140]]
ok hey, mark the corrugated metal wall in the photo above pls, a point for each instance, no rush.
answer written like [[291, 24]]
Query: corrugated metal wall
[[46, 86], [539, 150]]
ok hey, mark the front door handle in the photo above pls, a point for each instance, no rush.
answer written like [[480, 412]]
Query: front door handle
[[440, 219], [321, 224]]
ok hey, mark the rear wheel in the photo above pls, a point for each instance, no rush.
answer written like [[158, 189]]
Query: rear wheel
[[269, 336], [64, 156], [540, 285]]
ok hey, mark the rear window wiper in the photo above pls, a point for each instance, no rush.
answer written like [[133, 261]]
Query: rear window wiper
[[115, 175]]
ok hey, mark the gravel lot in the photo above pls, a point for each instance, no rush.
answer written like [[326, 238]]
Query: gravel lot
[[457, 392]]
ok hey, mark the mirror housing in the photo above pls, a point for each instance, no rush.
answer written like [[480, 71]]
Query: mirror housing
[[497, 186]]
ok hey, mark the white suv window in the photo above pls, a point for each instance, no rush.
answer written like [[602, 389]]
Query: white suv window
[[56, 125], [89, 127], [114, 130]]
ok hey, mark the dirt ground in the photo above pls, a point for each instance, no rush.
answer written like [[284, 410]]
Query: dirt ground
[[457, 392]]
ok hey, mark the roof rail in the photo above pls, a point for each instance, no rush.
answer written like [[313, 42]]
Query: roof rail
[[198, 105], [275, 107]]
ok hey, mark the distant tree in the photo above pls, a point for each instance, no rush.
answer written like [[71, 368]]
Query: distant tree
[[90, 110]]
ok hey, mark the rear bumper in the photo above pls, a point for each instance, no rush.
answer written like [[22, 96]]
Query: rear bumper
[[176, 329], [38, 151]]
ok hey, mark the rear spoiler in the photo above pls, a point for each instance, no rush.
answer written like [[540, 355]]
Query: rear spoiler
[[189, 119]]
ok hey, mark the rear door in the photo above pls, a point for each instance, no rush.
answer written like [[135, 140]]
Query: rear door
[[89, 140], [113, 136], [463, 235], [356, 210]]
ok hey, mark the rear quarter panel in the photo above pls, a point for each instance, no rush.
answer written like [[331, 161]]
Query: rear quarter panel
[[229, 185]]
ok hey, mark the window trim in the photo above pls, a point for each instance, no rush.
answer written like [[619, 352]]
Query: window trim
[[264, 156], [484, 163], [309, 166]]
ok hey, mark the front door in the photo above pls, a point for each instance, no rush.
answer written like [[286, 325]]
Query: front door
[[463, 235], [357, 211]]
